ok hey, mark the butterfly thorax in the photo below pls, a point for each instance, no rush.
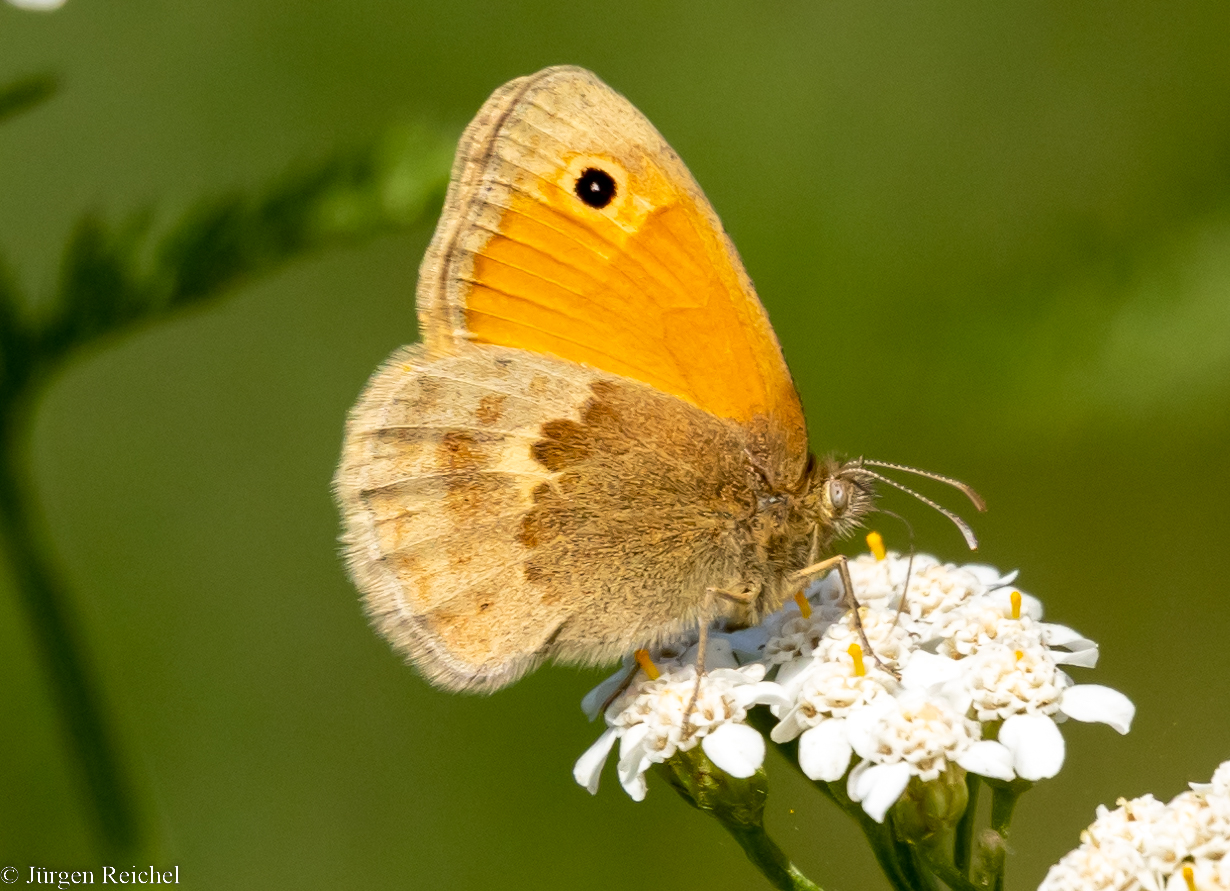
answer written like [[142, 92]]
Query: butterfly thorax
[[794, 526]]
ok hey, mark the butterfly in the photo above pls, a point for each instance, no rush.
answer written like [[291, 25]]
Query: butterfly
[[597, 446]]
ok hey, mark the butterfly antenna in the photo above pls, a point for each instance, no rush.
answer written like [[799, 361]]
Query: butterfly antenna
[[956, 484], [970, 538]]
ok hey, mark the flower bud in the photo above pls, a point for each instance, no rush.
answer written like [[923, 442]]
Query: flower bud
[[928, 808], [705, 786]]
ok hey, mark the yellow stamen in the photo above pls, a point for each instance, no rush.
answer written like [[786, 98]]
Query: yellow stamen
[[856, 653], [875, 541], [1016, 604], [647, 666], [1020, 654], [804, 606], [1190, 877]]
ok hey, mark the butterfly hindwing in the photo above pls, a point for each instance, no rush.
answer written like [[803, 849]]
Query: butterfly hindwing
[[502, 509]]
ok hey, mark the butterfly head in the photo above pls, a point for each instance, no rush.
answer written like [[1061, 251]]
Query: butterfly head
[[859, 474], [838, 495], [834, 496]]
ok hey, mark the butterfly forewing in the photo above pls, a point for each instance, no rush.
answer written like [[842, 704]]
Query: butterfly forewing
[[648, 286]]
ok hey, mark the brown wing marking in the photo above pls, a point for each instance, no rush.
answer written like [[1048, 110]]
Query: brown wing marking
[[435, 475], [502, 508]]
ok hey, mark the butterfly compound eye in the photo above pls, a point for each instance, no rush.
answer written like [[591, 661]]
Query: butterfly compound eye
[[595, 187], [839, 495]]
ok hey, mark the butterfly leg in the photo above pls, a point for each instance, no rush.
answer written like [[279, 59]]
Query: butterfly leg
[[744, 597], [619, 691], [839, 562]]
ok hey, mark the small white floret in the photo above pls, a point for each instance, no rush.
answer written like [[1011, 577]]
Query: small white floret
[[1036, 745], [589, 766], [736, 749], [652, 720], [824, 751], [877, 786], [988, 758], [1093, 702]]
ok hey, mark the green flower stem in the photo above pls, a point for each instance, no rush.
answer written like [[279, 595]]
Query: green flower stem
[[769, 858], [894, 856], [1004, 797], [936, 861], [46, 605], [901, 875], [963, 842], [990, 853], [738, 804]]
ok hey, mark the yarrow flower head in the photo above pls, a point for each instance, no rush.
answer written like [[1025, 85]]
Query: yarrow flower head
[[1145, 845], [651, 719], [965, 673], [960, 673]]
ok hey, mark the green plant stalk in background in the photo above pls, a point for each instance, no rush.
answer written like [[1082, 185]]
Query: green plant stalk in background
[[114, 279]]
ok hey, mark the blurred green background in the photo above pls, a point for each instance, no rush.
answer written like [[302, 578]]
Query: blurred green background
[[994, 240]]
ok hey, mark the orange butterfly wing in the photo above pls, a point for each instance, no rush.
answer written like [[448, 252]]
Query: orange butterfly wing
[[648, 286]]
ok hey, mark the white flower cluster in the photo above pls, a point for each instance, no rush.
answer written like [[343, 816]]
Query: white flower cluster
[[38, 5], [963, 671], [648, 719], [1145, 845]]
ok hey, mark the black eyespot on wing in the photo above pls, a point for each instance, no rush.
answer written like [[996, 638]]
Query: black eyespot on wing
[[595, 187]]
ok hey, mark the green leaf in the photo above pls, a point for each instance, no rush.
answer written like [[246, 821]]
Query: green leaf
[[12, 332], [112, 278], [387, 185], [24, 94], [100, 286]]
